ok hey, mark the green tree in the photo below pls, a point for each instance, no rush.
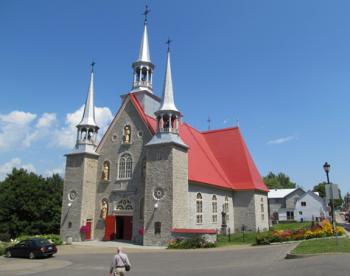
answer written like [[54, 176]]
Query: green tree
[[321, 189], [279, 181], [30, 204]]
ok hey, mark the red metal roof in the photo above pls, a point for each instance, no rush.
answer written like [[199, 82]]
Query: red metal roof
[[217, 158]]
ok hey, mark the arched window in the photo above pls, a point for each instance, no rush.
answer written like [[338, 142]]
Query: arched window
[[226, 209], [214, 204], [199, 209], [127, 134], [105, 171], [125, 166]]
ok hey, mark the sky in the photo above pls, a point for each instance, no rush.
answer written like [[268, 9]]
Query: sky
[[279, 69]]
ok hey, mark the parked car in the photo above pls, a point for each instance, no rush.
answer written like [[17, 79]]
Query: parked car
[[31, 248]]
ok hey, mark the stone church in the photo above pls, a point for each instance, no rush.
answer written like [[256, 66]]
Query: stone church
[[153, 177]]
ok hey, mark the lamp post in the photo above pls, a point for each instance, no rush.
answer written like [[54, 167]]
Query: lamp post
[[327, 168]]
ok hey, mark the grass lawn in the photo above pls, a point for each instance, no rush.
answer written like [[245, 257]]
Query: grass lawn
[[323, 246], [291, 226], [236, 239]]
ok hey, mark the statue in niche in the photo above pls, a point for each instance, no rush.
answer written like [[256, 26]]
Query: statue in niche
[[104, 209], [105, 172], [127, 134]]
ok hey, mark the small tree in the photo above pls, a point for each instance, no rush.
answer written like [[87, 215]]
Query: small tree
[[279, 181], [30, 204]]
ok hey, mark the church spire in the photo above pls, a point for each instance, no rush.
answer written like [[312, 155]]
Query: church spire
[[143, 67], [168, 116], [87, 128], [168, 103], [89, 108], [144, 54]]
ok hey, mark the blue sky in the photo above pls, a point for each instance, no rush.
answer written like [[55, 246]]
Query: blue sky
[[280, 68]]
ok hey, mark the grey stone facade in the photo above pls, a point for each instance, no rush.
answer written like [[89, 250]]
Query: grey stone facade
[[166, 172], [116, 189], [79, 194]]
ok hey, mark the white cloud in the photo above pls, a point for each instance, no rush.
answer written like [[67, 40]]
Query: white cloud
[[7, 167], [14, 127], [17, 117], [281, 140], [46, 120]]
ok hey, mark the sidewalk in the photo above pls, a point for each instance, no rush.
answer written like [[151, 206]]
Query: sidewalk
[[115, 244]]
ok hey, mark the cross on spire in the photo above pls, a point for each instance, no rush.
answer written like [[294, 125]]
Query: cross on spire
[[92, 66], [146, 12], [168, 42], [209, 121]]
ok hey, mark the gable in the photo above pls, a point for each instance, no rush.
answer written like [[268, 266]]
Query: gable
[[126, 115]]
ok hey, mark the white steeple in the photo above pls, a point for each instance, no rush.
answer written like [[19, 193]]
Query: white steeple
[[87, 128], [168, 93], [89, 108], [143, 67], [144, 54], [168, 116]]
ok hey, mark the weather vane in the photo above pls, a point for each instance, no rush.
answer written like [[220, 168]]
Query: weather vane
[[168, 42], [92, 66], [146, 12]]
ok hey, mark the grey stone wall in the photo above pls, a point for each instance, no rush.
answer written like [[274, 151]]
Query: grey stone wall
[[166, 171], [207, 193], [80, 175], [158, 175], [180, 187], [116, 189], [261, 211], [244, 210]]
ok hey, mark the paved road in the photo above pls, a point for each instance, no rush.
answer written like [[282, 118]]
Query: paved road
[[267, 260]]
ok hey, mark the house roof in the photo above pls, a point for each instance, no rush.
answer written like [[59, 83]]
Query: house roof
[[280, 193], [218, 158], [313, 195]]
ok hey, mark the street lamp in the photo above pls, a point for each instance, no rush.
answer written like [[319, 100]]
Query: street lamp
[[327, 168]]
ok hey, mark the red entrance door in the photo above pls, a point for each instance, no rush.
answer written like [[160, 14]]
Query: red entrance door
[[88, 230], [127, 231], [109, 228]]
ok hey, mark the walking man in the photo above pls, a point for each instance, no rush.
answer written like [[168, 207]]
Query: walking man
[[120, 261]]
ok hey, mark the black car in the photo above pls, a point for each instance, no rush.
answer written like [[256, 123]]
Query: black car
[[31, 248]]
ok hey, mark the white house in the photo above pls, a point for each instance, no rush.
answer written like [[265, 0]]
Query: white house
[[310, 207]]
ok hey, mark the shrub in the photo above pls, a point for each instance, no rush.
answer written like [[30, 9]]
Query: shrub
[[3, 245], [51, 237], [263, 238], [190, 243]]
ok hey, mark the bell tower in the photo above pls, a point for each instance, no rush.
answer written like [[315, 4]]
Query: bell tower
[[166, 185], [143, 67], [79, 190], [87, 128]]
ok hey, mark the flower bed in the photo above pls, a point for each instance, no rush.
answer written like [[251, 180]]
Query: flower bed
[[319, 230]]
